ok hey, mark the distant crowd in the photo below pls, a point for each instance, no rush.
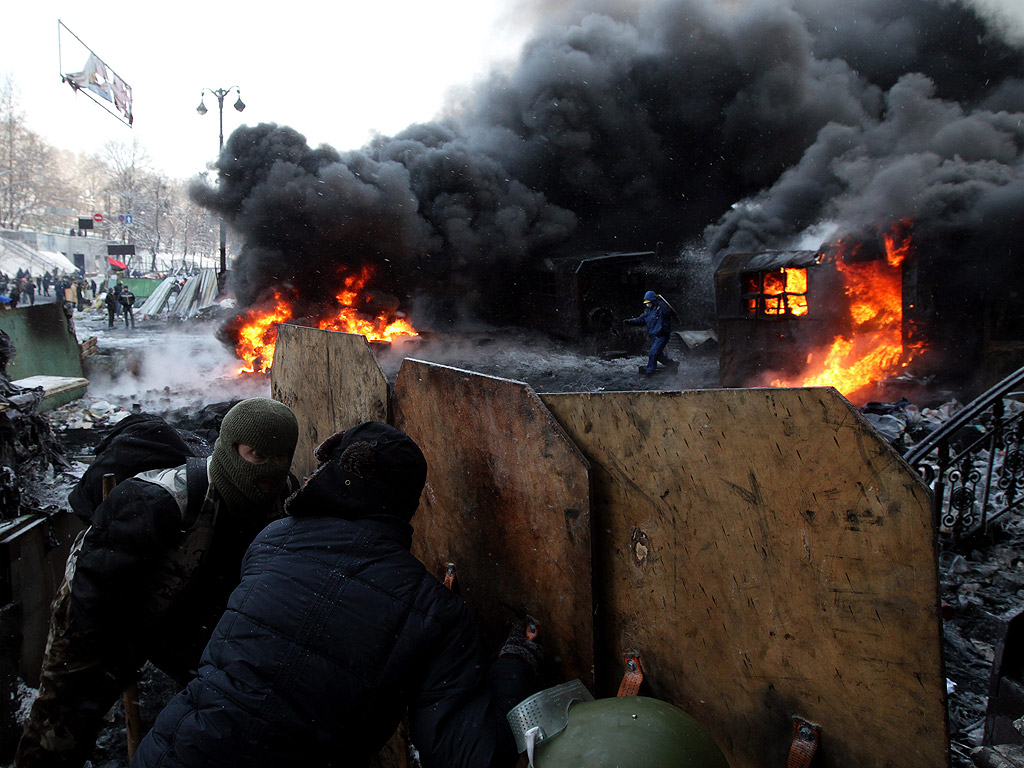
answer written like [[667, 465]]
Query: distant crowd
[[75, 291], [23, 287]]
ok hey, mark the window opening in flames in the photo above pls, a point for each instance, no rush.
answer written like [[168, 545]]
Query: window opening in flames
[[780, 292]]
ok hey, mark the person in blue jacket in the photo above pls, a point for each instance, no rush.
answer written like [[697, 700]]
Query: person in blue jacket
[[336, 631], [657, 318]]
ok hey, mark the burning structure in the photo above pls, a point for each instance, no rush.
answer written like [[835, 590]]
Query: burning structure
[[741, 127], [858, 313], [832, 317]]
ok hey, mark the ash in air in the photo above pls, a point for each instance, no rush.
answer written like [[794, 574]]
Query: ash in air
[[743, 125]]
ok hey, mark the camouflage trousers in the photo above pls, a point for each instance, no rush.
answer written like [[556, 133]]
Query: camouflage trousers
[[76, 690]]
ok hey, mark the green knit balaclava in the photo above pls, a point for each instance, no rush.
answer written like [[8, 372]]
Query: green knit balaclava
[[272, 429]]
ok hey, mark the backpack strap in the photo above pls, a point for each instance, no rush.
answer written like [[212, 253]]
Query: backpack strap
[[197, 482]]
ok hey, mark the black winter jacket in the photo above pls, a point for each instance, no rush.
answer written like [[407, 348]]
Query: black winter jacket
[[334, 630], [146, 583]]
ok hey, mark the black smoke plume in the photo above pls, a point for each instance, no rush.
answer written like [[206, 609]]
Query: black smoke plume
[[751, 124]]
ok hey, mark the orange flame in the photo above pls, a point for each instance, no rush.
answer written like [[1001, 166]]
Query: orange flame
[[783, 292], [381, 328], [874, 349], [257, 336]]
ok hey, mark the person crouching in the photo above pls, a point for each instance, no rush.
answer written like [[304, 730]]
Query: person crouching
[[336, 630]]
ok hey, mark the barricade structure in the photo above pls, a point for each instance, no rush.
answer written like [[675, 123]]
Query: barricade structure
[[763, 551]]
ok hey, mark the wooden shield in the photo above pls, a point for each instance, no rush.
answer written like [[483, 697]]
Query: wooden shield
[[332, 381], [768, 555], [507, 501]]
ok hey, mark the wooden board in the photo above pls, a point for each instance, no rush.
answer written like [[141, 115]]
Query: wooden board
[[507, 500], [768, 556], [331, 380]]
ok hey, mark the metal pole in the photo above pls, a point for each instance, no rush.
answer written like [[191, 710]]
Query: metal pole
[[223, 232], [220, 93]]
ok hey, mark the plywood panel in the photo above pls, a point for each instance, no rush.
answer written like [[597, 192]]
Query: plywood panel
[[768, 555], [507, 500], [331, 380]]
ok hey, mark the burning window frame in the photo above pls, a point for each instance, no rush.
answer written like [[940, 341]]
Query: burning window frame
[[761, 299]]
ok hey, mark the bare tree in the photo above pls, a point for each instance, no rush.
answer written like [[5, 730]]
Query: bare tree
[[89, 177], [45, 188], [29, 176], [151, 223], [127, 165], [196, 230]]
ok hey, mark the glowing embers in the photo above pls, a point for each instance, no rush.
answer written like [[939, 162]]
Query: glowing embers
[[779, 292]]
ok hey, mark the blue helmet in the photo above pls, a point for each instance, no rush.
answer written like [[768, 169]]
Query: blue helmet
[[650, 296]]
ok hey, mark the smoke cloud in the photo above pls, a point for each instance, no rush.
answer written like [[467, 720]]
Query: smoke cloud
[[749, 123]]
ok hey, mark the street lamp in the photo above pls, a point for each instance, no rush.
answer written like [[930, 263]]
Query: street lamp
[[239, 105]]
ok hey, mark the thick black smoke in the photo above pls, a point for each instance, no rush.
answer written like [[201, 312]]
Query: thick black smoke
[[619, 127]]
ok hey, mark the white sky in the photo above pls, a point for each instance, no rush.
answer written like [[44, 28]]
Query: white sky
[[335, 72]]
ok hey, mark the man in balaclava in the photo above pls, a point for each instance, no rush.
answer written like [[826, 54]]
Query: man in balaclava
[[151, 575], [336, 631], [252, 455]]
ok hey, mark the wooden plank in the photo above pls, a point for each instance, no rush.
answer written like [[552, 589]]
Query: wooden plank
[[507, 500], [331, 380], [768, 555]]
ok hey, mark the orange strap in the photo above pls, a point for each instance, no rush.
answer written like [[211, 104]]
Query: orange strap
[[633, 676], [449, 575], [806, 736], [532, 628]]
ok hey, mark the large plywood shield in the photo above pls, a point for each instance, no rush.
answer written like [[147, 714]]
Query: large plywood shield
[[332, 381], [507, 501], [768, 556]]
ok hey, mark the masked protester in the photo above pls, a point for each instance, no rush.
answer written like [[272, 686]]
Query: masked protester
[[658, 320], [151, 576], [336, 631]]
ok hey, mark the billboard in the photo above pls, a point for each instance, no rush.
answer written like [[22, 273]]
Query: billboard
[[96, 79]]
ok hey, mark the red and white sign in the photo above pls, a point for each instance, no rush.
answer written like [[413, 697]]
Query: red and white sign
[[98, 218]]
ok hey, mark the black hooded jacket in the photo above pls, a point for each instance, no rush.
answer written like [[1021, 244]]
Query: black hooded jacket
[[334, 632]]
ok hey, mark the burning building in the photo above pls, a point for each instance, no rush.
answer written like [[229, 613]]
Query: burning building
[[742, 127], [860, 313]]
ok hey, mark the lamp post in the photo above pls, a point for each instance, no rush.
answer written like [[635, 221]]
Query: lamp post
[[239, 105]]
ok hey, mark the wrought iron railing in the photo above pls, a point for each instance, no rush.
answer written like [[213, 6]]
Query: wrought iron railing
[[975, 462]]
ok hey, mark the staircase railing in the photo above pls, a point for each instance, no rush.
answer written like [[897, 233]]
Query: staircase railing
[[975, 462]]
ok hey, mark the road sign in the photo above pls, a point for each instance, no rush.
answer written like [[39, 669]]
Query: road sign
[[98, 218]]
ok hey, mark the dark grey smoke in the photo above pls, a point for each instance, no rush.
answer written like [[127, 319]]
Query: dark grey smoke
[[621, 127], [944, 146]]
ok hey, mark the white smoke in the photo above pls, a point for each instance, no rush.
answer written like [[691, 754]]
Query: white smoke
[[1004, 16], [164, 368]]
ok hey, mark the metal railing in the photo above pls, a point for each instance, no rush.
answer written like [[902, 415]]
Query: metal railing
[[975, 462]]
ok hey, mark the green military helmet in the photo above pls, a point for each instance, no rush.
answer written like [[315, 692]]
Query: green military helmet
[[621, 732]]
